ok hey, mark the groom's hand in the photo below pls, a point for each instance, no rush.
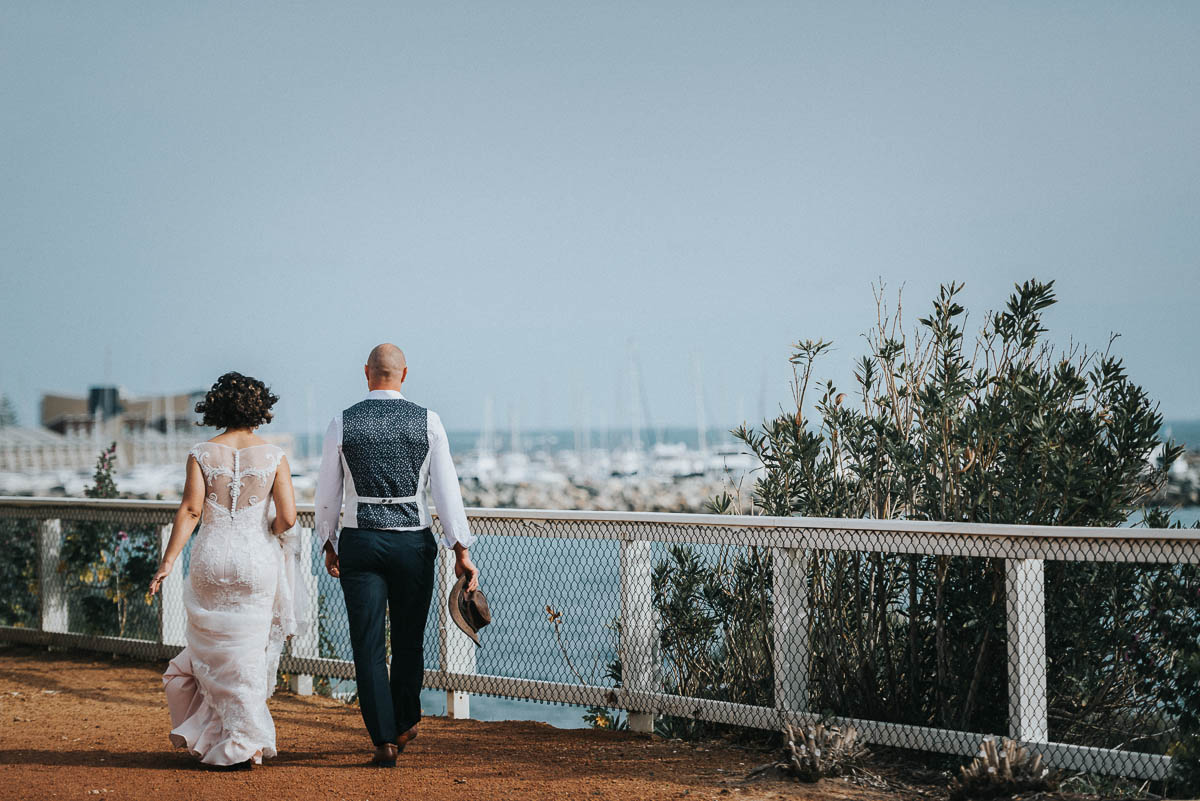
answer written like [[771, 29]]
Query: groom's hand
[[464, 565], [331, 561]]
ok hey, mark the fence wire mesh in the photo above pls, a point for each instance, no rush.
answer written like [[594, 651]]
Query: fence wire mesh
[[923, 636]]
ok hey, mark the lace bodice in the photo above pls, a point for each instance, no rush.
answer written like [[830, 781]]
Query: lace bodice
[[236, 479]]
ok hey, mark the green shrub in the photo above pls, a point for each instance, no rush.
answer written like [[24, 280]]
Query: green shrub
[[19, 573], [108, 567], [1004, 428]]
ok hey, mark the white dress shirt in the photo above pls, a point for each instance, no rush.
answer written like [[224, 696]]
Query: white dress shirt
[[335, 484]]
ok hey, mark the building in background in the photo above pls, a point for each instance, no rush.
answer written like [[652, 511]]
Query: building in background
[[149, 430], [153, 434], [109, 407]]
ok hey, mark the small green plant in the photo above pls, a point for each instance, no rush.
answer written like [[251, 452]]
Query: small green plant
[[598, 717], [1001, 771], [18, 573], [816, 752], [108, 567], [8, 412], [603, 718]]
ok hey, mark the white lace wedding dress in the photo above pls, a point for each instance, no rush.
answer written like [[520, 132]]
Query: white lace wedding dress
[[240, 597]]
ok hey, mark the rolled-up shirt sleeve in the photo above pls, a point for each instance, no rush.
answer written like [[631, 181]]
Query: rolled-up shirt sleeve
[[330, 486], [443, 482]]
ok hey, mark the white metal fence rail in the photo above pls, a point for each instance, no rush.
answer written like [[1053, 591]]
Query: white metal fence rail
[[533, 543]]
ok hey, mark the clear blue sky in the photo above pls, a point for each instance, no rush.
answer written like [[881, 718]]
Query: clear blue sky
[[514, 191]]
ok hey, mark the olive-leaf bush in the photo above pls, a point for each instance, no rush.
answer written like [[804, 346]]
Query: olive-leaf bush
[[1002, 427], [1165, 649], [19, 573], [104, 568], [714, 634], [107, 567]]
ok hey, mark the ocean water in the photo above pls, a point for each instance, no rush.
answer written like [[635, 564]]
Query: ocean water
[[1183, 432], [1187, 516], [522, 576], [560, 439]]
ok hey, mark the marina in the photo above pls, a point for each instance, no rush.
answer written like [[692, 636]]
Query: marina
[[672, 469], [670, 475]]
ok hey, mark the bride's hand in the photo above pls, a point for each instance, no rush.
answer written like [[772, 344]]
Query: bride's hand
[[164, 570]]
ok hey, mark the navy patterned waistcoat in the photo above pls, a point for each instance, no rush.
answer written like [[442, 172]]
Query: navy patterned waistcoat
[[385, 453]]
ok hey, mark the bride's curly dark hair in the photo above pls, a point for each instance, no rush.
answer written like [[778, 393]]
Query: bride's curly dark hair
[[236, 401]]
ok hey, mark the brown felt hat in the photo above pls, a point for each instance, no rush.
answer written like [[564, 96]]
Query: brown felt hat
[[469, 610]]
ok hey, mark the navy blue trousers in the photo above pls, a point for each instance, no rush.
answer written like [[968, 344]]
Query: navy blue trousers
[[387, 574]]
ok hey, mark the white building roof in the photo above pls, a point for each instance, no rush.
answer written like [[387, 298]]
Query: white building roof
[[15, 435]]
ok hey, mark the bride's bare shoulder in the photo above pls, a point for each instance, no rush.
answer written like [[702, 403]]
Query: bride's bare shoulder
[[237, 442]]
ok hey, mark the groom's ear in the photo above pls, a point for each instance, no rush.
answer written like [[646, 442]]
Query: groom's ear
[[367, 372]]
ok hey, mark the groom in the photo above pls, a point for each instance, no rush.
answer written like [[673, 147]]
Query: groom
[[379, 456]]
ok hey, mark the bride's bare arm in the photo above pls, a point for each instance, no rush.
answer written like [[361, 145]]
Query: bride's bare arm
[[285, 498], [186, 518]]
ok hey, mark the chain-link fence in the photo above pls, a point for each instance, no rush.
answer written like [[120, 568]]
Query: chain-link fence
[[925, 636]]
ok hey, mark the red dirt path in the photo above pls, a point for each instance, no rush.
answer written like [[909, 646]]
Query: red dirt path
[[87, 726]]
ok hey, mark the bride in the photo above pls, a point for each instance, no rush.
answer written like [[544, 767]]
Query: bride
[[240, 589]]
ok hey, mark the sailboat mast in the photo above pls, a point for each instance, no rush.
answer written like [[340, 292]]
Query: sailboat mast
[[701, 424], [485, 439]]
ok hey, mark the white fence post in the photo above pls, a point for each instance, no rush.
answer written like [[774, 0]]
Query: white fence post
[[51, 585], [1025, 588], [789, 619], [456, 651], [639, 632], [172, 617], [307, 644]]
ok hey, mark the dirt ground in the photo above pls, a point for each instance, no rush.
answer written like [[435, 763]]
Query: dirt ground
[[86, 726]]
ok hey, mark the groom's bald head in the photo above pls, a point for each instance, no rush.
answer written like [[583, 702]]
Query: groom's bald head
[[386, 367]]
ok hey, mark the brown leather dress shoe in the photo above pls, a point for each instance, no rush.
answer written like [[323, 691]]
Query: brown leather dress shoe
[[406, 738], [385, 756]]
